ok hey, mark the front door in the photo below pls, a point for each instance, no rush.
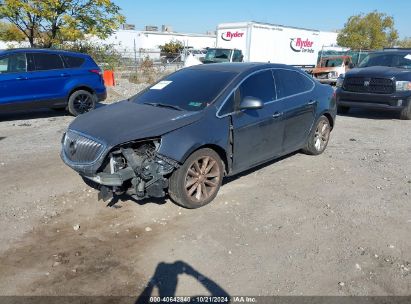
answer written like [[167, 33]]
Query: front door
[[257, 134], [13, 79]]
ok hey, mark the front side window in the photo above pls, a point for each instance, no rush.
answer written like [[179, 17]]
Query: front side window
[[260, 85], [237, 57], [189, 89], [44, 62], [228, 106], [14, 63], [290, 83]]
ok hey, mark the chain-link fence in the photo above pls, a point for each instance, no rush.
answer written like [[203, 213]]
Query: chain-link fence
[[145, 66]]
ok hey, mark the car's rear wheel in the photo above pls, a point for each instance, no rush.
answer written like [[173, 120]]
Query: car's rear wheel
[[81, 102], [197, 181], [343, 109], [406, 112], [319, 137]]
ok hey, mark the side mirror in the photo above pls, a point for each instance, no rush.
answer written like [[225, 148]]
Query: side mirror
[[351, 65], [251, 103]]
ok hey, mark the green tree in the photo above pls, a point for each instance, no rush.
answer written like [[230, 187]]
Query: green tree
[[9, 32], [49, 22], [405, 43], [172, 48], [371, 31]]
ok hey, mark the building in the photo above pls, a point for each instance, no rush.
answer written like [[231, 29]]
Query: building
[[141, 44]]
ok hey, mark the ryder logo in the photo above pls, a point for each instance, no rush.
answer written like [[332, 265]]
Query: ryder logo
[[228, 36], [299, 45]]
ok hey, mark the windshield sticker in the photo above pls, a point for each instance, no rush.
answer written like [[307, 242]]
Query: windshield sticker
[[161, 85], [195, 104], [408, 57]]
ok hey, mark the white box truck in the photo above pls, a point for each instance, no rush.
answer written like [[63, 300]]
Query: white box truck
[[261, 42]]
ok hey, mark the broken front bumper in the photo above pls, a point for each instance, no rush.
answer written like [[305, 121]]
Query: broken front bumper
[[112, 180]]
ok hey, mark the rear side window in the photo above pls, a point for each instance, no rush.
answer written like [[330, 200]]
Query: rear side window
[[44, 62], [290, 83], [73, 61], [260, 85], [14, 63]]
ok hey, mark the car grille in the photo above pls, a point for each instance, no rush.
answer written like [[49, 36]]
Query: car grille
[[369, 85], [80, 149]]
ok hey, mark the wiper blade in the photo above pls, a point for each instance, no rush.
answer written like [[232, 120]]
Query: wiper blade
[[164, 105]]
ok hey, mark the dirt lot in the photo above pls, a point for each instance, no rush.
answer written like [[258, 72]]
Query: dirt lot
[[336, 224]]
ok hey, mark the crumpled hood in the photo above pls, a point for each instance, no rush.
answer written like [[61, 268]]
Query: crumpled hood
[[126, 121], [378, 71]]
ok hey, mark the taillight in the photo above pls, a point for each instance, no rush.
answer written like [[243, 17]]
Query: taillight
[[98, 72]]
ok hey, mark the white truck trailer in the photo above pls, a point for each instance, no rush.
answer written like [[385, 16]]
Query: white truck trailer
[[262, 42]]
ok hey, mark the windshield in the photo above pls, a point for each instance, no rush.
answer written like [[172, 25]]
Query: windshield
[[388, 59], [188, 89], [222, 55], [331, 62]]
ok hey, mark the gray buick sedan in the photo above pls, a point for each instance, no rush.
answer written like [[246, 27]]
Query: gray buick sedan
[[185, 133]]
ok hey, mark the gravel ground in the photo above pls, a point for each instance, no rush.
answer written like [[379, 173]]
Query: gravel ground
[[336, 224]]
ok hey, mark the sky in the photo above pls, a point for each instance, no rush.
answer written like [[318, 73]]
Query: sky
[[200, 16]]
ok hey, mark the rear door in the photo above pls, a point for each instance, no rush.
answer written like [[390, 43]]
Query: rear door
[[48, 77], [257, 133], [13, 79], [294, 91]]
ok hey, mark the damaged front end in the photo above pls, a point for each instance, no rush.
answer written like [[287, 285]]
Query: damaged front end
[[134, 168]]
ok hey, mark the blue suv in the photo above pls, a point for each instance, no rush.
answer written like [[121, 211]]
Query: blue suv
[[44, 78]]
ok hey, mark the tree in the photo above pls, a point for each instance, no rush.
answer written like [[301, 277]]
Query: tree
[[9, 32], [49, 22], [372, 31], [405, 43], [172, 48]]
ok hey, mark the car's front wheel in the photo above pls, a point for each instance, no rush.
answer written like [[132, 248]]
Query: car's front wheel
[[319, 137], [81, 102], [197, 181]]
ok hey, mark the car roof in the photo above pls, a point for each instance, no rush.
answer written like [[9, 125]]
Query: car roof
[[36, 50], [236, 67]]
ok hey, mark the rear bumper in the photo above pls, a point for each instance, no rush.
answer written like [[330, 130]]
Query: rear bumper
[[396, 101], [102, 96]]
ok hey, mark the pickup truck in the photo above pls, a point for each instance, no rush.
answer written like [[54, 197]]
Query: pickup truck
[[331, 67]]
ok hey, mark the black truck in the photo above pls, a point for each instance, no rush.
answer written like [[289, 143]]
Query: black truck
[[381, 81]]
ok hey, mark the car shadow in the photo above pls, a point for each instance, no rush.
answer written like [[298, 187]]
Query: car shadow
[[37, 113], [32, 114], [127, 198], [372, 114], [232, 178], [166, 280]]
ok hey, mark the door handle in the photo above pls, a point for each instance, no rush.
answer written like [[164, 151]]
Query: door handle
[[21, 78], [312, 102], [277, 114], [64, 75]]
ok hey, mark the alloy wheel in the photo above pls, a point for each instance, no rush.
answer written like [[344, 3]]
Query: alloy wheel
[[202, 179], [322, 135], [83, 103]]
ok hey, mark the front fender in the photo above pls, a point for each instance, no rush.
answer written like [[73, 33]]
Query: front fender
[[209, 131]]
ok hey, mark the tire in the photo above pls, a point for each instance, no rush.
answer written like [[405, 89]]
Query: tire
[[343, 110], [319, 137], [81, 102], [406, 112], [190, 182]]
